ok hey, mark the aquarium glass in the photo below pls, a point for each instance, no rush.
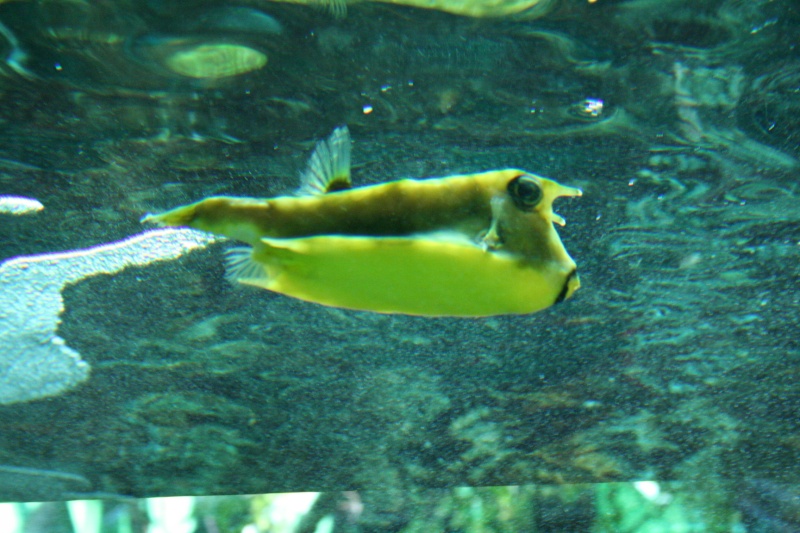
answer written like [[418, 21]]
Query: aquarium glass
[[141, 359]]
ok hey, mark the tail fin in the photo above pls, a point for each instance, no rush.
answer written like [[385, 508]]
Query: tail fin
[[180, 216]]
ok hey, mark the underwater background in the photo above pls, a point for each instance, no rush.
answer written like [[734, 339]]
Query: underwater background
[[135, 370]]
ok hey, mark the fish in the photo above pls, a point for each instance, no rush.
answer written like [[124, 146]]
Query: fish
[[518, 9], [470, 245], [215, 60]]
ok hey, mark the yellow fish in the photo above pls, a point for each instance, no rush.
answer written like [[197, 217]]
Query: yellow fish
[[522, 9], [470, 245]]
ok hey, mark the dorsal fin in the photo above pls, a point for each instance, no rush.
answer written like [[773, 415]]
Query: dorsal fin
[[328, 168], [337, 8]]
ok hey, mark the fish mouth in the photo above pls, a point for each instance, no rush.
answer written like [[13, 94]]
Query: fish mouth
[[571, 284]]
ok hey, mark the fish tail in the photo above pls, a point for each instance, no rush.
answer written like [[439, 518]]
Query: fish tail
[[181, 216]]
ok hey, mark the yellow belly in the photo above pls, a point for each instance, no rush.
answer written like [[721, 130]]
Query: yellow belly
[[429, 276]]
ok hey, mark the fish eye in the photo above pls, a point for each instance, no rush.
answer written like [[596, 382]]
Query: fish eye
[[525, 192]]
